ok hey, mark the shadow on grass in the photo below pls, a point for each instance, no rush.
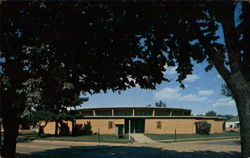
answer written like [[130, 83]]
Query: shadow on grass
[[84, 138], [104, 151]]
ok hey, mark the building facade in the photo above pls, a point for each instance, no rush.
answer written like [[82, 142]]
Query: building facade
[[148, 120], [232, 124]]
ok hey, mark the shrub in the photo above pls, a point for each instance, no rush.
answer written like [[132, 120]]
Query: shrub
[[202, 127], [87, 129], [64, 129], [80, 129], [77, 131]]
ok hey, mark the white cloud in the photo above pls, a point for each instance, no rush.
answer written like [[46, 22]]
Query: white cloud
[[191, 97], [168, 94], [174, 94], [192, 78], [206, 92], [171, 70], [224, 102]]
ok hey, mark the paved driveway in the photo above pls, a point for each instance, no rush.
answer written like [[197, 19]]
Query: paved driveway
[[59, 149]]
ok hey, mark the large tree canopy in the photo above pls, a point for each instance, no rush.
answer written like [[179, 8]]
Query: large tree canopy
[[58, 50]]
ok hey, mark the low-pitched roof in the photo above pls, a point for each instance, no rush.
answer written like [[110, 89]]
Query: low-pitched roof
[[140, 107], [233, 119]]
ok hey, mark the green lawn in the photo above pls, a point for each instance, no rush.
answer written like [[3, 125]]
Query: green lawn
[[90, 138], [192, 137]]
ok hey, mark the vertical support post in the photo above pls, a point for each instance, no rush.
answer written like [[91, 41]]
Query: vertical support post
[[94, 113], [129, 129], [175, 135], [154, 112], [171, 113], [98, 135], [113, 112], [133, 112]]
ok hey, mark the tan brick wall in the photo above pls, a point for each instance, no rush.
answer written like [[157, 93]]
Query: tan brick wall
[[50, 128], [216, 126], [168, 126], [102, 124], [182, 126]]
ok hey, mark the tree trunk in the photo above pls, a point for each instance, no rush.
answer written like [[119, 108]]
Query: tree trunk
[[11, 126], [243, 105], [40, 130], [241, 92]]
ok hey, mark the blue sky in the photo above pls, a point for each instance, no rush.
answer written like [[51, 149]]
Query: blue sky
[[202, 94]]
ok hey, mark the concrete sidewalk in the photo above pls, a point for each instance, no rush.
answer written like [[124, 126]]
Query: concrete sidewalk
[[141, 138]]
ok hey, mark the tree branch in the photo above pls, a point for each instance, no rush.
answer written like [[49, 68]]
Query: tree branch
[[218, 61], [230, 35]]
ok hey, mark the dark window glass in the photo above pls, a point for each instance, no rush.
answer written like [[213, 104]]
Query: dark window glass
[[187, 113], [87, 113], [103, 112], [123, 112], [162, 113], [143, 113], [177, 113], [110, 124], [158, 124]]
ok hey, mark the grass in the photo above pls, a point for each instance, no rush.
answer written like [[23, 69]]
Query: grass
[[106, 138], [192, 137], [110, 138]]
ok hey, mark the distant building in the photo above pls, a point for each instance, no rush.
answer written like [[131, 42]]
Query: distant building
[[232, 123], [150, 120]]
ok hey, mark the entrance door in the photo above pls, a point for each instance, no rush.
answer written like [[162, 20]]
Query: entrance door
[[137, 125]]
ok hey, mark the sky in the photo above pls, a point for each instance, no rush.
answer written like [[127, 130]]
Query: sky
[[202, 94]]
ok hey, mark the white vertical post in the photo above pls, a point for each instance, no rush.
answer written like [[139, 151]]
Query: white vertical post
[[129, 129]]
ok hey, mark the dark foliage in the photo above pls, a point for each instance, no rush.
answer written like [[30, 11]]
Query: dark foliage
[[64, 129], [80, 129], [87, 129], [203, 127], [210, 113], [77, 130], [60, 49]]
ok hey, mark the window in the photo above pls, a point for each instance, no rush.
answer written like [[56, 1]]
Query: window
[[176, 113], [87, 113], [103, 112], [143, 113], [110, 125], [123, 112], [158, 124], [187, 113], [162, 113]]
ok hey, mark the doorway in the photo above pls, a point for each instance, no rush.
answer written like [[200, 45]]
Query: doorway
[[137, 125]]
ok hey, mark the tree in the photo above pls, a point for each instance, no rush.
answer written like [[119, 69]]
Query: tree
[[39, 118], [102, 46], [149, 105], [54, 64], [210, 113], [160, 104]]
